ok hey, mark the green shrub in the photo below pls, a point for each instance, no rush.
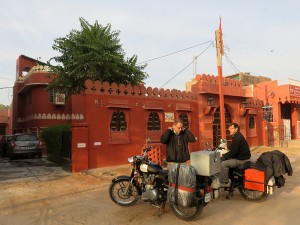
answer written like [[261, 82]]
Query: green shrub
[[52, 137]]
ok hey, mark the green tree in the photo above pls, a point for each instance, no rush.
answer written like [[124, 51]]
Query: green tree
[[93, 53]]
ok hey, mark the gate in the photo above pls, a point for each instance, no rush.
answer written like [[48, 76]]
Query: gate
[[66, 152], [285, 134]]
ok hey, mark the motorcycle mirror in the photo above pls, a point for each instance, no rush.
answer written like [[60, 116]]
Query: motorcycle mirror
[[223, 141], [208, 145]]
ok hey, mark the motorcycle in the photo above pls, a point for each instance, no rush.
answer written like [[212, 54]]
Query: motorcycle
[[148, 181], [251, 187]]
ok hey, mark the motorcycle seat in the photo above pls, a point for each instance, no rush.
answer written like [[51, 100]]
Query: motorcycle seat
[[246, 165]]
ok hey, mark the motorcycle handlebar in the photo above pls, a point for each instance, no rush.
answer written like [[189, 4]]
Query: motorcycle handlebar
[[147, 150]]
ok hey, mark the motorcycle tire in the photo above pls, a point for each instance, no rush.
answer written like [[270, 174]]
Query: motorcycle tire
[[123, 192], [187, 213], [253, 196]]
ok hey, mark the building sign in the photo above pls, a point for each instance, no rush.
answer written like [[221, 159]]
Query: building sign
[[81, 145], [169, 117], [294, 93]]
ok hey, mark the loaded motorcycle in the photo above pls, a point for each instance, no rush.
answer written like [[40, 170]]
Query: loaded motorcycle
[[250, 182], [148, 181]]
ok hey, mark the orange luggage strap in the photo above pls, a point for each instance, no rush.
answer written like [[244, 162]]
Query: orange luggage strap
[[182, 187]]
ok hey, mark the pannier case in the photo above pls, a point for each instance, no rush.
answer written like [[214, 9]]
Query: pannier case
[[254, 180], [206, 163]]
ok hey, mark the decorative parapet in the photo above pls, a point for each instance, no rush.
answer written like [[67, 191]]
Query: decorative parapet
[[35, 69], [137, 91], [49, 116], [210, 84]]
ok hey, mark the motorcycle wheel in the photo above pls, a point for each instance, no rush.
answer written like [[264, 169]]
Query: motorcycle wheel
[[253, 196], [123, 192], [187, 213]]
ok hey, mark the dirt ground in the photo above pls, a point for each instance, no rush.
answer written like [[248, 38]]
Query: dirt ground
[[82, 198]]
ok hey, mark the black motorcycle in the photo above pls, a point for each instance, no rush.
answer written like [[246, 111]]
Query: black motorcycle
[[149, 182], [250, 182]]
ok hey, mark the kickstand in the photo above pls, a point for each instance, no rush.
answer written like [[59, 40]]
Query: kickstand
[[230, 192], [160, 211]]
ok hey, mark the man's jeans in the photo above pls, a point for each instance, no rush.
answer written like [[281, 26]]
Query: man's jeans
[[230, 163]]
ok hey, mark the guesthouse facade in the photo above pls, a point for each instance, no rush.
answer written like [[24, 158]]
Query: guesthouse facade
[[112, 122]]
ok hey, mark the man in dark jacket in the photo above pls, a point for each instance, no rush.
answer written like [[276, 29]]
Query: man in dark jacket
[[238, 154], [176, 139]]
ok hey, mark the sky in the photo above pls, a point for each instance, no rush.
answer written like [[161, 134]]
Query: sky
[[260, 37]]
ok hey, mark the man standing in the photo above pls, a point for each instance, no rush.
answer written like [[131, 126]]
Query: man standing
[[176, 139], [238, 154]]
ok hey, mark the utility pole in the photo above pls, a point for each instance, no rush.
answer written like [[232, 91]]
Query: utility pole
[[220, 52]]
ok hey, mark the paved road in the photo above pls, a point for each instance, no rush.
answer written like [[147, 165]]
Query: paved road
[[82, 198], [30, 169]]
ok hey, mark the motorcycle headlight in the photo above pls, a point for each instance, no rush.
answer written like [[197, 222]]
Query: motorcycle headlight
[[130, 160]]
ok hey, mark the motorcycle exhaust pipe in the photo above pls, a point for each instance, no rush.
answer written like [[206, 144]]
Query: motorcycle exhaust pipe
[[270, 186], [216, 193]]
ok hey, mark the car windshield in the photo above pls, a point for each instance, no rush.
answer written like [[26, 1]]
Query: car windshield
[[26, 137]]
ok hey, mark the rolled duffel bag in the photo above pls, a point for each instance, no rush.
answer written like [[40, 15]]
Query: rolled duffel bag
[[182, 184]]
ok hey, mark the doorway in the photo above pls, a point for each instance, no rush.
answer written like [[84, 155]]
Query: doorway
[[217, 126]]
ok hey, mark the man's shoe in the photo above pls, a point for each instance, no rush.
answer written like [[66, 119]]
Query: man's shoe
[[228, 184]]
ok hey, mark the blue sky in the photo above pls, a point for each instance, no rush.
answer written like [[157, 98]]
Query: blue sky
[[260, 37]]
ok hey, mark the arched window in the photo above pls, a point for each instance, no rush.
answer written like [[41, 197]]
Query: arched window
[[251, 123], [153, 122], [185, 120], [118, 121]]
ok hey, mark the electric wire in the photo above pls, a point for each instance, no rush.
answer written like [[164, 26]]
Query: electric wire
[[174, 52], [211, 43], [231, 64]]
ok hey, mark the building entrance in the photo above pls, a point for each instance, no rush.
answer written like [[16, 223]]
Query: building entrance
[[217, 126]]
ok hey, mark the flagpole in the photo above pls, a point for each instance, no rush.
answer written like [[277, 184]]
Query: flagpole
[[220, 52]]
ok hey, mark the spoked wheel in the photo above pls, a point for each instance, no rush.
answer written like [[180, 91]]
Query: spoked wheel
[[123, 193], [187, 213], [253, 196]]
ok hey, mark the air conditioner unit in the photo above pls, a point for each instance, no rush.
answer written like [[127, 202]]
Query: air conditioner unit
[[59, 99]]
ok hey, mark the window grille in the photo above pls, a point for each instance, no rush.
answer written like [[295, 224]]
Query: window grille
[[251, 123], [185, 120], [153, 122], [118, 121], [57, 97], [268, 113]]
